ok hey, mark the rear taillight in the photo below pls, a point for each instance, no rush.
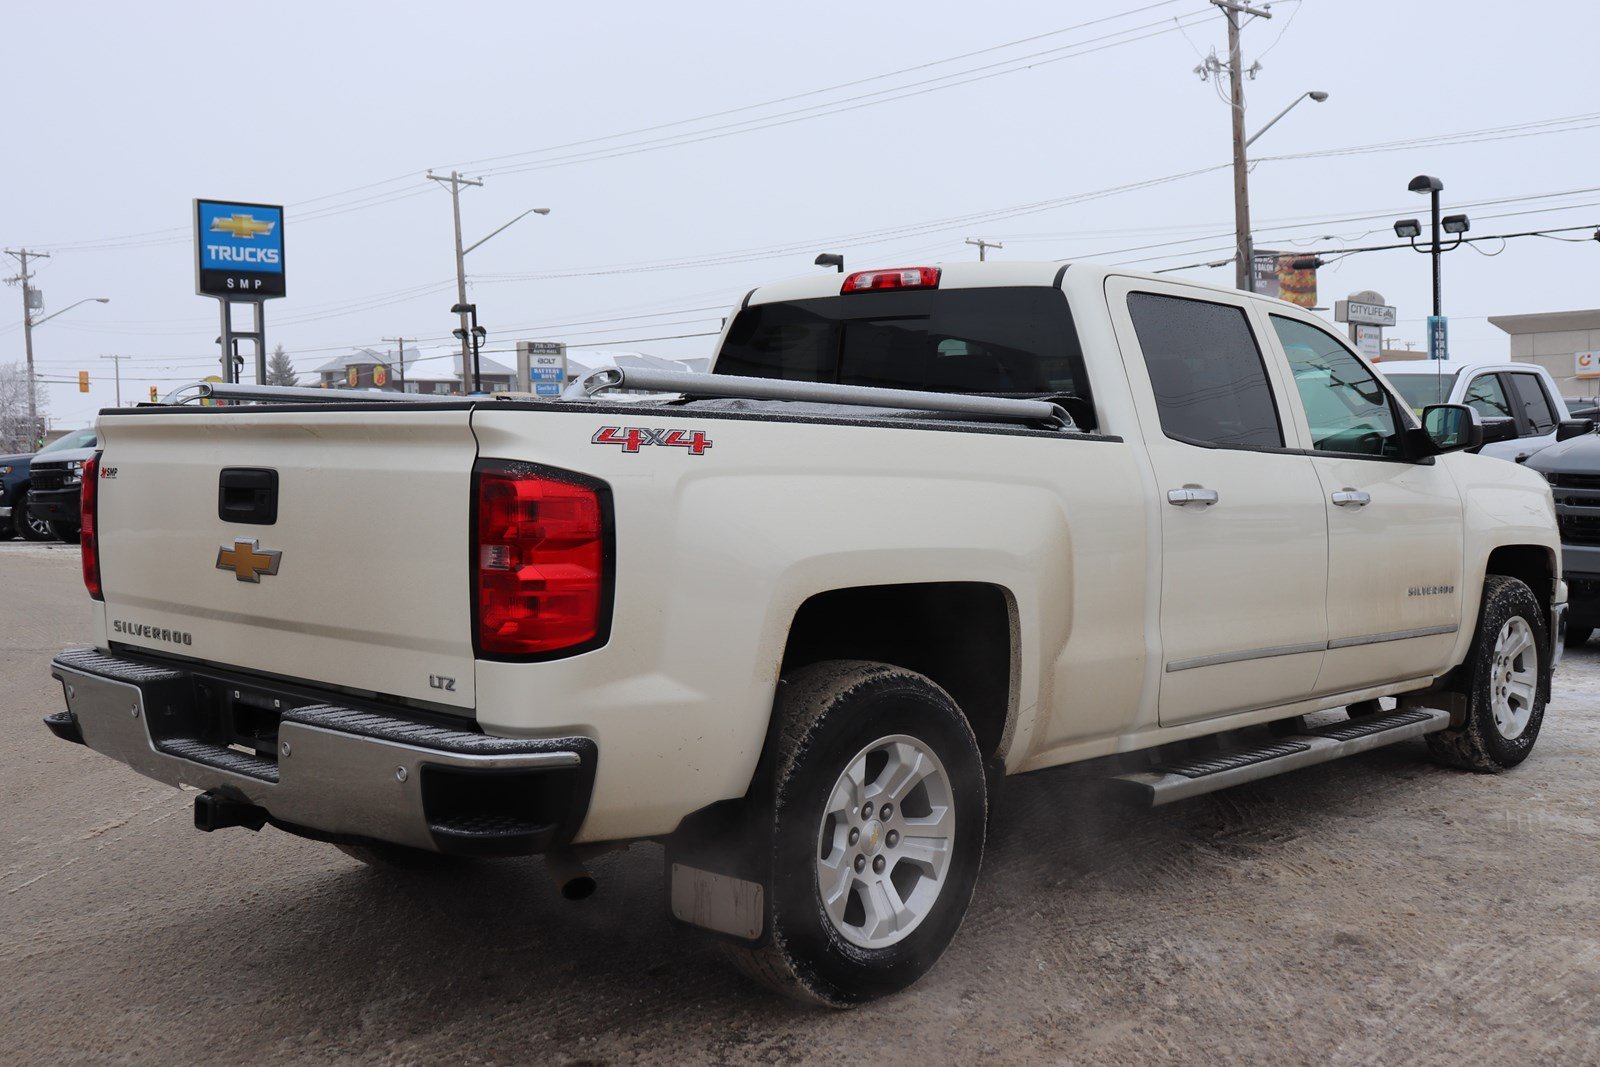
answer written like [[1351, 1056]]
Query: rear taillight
[[867, 281], [541, 561], [89, 527]]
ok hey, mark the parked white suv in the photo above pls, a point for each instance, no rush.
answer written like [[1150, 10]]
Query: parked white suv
[[1523, 393]]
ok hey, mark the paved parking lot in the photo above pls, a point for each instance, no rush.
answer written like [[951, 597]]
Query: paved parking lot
[[1379, 909]]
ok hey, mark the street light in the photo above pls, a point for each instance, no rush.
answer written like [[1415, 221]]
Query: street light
[[477, 334], [830, 259], [1316, 95], [1407, 228], [1244, 246], [1411, 229], [461, 264], [28, 323]]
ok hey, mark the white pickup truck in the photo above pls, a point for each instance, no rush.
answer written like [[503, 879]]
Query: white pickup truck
[[1521, 408], [916, 532]]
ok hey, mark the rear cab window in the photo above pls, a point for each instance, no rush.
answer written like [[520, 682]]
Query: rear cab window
[[1001, 341]]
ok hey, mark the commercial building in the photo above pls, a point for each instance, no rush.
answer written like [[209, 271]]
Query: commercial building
[[1565, 343]]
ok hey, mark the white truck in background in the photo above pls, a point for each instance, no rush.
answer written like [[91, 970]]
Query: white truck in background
[[1521, 408], [916, 532]]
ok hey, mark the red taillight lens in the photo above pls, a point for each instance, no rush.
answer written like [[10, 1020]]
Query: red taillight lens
[[89, 530], [540, 560], [865, 281]]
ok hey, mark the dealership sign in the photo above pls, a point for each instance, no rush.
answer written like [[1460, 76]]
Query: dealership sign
[[1586, 364], [238, 250], [1357, 312]]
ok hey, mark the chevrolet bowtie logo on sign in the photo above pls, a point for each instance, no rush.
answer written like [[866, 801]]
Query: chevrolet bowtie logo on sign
[[247, 561], [246, 226]]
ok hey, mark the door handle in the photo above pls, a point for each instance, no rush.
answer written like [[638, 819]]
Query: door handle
[[1347, 498], [1192, 494]]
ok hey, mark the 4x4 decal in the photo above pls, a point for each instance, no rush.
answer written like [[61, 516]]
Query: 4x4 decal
[[633, 438]]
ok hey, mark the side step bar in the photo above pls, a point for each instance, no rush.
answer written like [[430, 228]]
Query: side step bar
[[1179, 780]]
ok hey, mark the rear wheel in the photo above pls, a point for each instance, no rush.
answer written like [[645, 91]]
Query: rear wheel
[[879, 808], [1505, 706], [64, 531], [28, 527]]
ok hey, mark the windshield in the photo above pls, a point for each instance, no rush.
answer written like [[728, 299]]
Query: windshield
[[75, 439], [1420, 390], [1017, 340]]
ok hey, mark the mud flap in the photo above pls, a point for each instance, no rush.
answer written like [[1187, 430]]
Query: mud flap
[[717, 867]]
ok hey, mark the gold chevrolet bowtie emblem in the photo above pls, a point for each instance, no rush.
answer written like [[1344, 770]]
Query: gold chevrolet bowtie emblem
[[247, 562], [246, 226]]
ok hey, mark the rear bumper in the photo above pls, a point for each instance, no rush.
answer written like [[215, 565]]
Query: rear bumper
[[56, 505], [329, 771]]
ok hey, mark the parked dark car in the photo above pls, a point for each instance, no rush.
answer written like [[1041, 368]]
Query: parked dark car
[[55, 482], [1572, 468], [1583, 407], [15, 519]]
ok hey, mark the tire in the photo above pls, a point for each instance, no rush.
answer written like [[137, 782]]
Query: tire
[[876, 719], [65, 531], [1578, 636], [28, 527], [386, 856], [1505, 702]]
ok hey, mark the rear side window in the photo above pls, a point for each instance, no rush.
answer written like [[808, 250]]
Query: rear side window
[[1018, 340], [1487, 397], [1534, 404], [1206, 369]]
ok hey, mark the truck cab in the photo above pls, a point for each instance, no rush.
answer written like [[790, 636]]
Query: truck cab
[[1519, 402]]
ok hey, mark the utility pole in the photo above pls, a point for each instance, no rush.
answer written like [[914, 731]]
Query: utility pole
[[22, 256], [401, 341], [983, 246], [117, 364], [456, 181], [1231, 9]]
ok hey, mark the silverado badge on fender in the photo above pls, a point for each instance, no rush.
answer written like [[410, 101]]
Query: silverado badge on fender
[[247, 561]]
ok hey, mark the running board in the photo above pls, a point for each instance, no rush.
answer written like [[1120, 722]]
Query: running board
[[1181, 779]]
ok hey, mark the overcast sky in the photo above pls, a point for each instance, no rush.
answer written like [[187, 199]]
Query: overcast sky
[[123, 113]]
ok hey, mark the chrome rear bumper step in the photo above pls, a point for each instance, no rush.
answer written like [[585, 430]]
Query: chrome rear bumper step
[[1181, 779]]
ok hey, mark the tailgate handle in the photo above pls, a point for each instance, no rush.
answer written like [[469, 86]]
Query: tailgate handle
[[248, 495]]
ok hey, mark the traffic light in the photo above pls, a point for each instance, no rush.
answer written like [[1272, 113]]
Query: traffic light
[[83, 381], [152, 394]]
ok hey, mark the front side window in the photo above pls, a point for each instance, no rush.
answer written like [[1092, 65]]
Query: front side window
[[1206, 369], [1534, 404], [1347, 408], [1487, 397]]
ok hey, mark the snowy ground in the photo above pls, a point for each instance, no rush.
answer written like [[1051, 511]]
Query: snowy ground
[[1377, 909]]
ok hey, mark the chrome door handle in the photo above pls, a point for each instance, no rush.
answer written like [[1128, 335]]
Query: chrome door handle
[[1192, 494], [1348, 497]]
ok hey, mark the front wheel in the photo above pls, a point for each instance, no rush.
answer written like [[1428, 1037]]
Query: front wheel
[[879, 806], [28, 527], [1501, 677], [65, 531]]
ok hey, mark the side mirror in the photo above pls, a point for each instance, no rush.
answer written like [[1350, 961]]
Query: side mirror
[[1452, 427], [1499, 430], [1569, 428]]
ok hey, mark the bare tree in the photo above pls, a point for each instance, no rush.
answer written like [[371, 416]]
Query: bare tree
[[17, 434], [280, 371]]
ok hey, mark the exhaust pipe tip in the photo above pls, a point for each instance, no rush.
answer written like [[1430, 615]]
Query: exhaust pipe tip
[[570, 874]]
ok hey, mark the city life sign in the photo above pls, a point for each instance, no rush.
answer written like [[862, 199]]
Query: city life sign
[[542, 367], [238, 250], [1359, 313]]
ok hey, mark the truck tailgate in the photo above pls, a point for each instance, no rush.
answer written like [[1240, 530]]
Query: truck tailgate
[[368, 504]]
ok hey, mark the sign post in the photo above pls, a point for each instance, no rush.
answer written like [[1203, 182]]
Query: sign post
[[542, 367], [239, 260]]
